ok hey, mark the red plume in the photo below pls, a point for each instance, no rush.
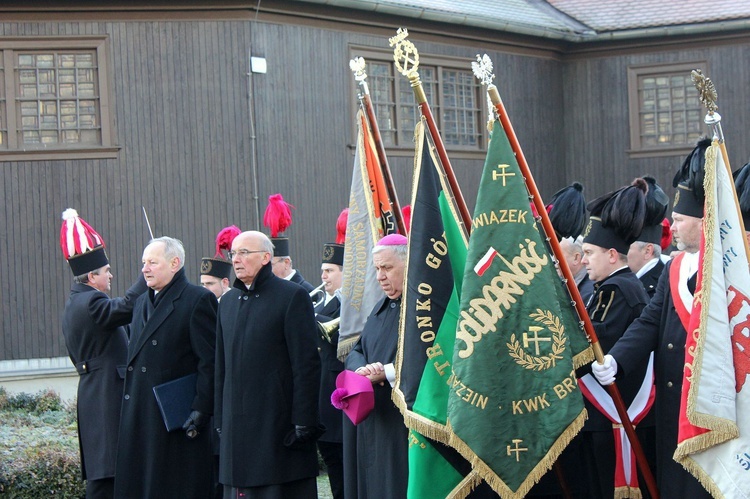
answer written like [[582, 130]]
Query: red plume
[[406, 213], [666, 235], [224, 239], [76, 236], [278, 215], [341, 226]]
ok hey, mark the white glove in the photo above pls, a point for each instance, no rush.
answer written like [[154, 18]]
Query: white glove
[[605, 373]]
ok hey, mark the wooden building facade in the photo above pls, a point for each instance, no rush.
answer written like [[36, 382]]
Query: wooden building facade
[[185, 129]]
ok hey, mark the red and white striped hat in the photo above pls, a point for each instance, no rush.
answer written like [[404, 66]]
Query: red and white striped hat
[[81, 245]]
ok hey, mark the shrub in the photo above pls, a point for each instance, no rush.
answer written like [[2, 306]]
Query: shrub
[[38, 447], [3, 398], [42, 472], [43, 401]]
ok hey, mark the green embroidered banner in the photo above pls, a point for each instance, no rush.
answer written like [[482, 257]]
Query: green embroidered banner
[[514, 403]]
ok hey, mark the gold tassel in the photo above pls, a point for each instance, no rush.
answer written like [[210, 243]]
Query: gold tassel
[[627, 492], [345, 346]]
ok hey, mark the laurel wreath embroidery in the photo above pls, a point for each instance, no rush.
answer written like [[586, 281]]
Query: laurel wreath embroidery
[[558, 344]]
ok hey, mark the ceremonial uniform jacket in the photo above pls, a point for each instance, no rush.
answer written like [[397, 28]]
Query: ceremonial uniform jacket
[[97, 344], [382, 438], [267, 378], [298, 279], [617, 301], [170, 339], [330, 367], [651, 278], [659, 329]]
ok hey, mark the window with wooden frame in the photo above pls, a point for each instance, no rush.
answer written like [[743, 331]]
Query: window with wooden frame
[[452, 91], [666, 115], [54, 99]]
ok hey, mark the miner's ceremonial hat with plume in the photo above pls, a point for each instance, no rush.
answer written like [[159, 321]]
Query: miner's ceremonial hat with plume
[[81, 245]]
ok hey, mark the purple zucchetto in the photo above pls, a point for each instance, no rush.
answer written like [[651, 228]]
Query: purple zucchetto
[[393, 240]]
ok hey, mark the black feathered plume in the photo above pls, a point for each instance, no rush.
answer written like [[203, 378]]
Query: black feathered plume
[[623, 210], [742, 185], [657, 203], [567, 211], [692, 170]]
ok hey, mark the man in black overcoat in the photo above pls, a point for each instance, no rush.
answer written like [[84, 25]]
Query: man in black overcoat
[[267, 376], [172, 336], [97, 343], [644, 258], [382, 438], [327, 310], [661, 328], [616, 219]]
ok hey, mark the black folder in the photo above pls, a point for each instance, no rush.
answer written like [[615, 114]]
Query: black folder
[[175, 399]]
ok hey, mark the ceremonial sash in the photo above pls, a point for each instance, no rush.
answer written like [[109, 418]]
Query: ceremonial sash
[[626, 479], [681, 295]]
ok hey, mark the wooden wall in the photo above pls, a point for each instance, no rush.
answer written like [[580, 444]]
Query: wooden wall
[[597, 134], [180, 101]]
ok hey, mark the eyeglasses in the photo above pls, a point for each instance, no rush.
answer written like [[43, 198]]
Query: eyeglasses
[[243, 253]]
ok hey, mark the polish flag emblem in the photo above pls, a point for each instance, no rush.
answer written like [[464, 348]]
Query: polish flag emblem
[[484, 263]]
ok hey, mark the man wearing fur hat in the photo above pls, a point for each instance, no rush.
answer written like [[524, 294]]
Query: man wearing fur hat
[[661, 328], [644, 255], [616, 220], [97, 343]]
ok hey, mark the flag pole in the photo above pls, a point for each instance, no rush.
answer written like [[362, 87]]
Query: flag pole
[[708, 97], [357, 65], [570, 282], [406, 57]]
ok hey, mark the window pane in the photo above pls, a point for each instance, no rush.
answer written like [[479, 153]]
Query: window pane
[[70, 136], [49, 137], [45, 61], [30, 137]]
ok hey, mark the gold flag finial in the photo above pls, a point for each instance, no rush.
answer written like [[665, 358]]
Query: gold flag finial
[[405, 55], [706, 89], [707, 95]]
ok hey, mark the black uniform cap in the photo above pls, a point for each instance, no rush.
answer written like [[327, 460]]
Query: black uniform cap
[[690, 196]]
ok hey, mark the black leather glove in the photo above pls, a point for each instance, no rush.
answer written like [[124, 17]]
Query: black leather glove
[[195, 422], [303, 435]]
